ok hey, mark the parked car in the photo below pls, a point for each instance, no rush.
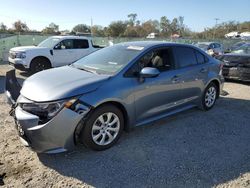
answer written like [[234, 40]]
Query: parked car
[[245, 36], [237, 64], [234, 34], [113, 89], [235, 46], [243, 49], [212, 48], [55, 51]]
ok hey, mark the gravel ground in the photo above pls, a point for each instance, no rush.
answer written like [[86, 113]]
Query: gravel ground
[[191, 149]]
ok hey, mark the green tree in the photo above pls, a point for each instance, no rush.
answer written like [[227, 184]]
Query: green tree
[[132, 19], [51, 29], [150, 26], [174, 26], [54, 27], [3, 27], [165, 26], [98, 31], [131, 31], [82, 28], [117, 28], [181, 25], [20, 26]]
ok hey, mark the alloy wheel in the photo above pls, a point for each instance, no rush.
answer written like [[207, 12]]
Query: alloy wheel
[[210, 96], [105, 128]]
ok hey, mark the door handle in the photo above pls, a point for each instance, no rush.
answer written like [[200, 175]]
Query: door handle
[[175, 78], [203, 70]]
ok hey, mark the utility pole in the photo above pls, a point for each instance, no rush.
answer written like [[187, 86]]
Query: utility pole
[[91, 25], [216, 22]]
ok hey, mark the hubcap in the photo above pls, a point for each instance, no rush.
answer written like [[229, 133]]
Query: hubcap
[[210, 96], [40, 67], [105, 128]]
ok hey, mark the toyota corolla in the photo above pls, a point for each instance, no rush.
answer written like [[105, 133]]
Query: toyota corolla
[[95, 99]]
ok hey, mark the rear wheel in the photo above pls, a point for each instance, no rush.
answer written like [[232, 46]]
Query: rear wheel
[[209, 96], [103, 128], [39, 64]]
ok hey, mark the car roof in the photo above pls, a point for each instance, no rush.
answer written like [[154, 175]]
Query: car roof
[[149, 44], [207, 43], [70, 37]]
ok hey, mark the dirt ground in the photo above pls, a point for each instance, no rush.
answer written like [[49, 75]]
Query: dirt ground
[[191, 149]]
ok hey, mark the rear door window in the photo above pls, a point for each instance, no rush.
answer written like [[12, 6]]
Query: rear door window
[[81, 43], [185, 56]]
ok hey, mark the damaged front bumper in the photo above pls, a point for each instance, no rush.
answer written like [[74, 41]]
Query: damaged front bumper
[[54, 136], [236, 73]]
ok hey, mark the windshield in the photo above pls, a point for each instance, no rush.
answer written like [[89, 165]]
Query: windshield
[[108, 60], [244, 49], [49, 42], [202, 46]]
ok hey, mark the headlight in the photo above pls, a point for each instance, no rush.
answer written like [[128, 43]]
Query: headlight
[[21, 55], [46, 111]]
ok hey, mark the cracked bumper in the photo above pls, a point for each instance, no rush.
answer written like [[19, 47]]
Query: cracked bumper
[[56, 135]]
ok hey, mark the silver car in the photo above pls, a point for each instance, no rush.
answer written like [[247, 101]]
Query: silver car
[[114, 89], [212, 48]]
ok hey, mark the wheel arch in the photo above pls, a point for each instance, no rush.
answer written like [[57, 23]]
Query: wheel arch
[[41, 57], [121, 107], [217, 83]]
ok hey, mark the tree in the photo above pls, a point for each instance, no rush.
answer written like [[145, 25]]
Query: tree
[[117, 28], [150, 26], [174, 26], [181, 25], [20, 26], [132, 19], [54, 27], [165, 26], [51, 29], [82, 28], [131, 32], [3, 27], [98, 31]]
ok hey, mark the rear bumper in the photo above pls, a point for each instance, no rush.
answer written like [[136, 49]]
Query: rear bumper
[[56, 135], [236, 73]]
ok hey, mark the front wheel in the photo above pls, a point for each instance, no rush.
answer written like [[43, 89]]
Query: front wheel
[[39, 64], [209, 96], [103, 128]]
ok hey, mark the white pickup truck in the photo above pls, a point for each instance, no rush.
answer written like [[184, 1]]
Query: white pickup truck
[[53, 52]]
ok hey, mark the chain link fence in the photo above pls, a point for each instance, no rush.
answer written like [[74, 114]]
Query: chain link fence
[[8, 41]]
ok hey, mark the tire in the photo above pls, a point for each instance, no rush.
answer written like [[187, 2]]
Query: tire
[[39, 64], [97, 133], [209, 96]]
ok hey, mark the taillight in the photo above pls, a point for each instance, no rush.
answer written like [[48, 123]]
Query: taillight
[[221, 66]]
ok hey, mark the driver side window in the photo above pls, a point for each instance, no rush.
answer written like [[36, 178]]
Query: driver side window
[[160, 59], [65, 44]]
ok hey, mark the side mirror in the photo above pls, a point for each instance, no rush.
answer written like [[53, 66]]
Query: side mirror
[[149, 72]]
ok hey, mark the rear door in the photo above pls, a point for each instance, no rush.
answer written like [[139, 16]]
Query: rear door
[[191, 74], [81, 48]]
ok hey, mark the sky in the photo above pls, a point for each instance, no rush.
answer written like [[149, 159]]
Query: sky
[[197, 14]]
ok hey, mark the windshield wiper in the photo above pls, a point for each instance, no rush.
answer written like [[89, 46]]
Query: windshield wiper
[[80, 68]]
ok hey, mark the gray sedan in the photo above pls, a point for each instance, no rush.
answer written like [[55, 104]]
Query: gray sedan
[[114, 89]]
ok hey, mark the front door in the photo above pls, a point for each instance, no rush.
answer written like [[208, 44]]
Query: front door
[[156, 96], [64, 53]]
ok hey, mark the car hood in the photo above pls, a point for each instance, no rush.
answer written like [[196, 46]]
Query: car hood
[[60, 83], [26, 48]]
